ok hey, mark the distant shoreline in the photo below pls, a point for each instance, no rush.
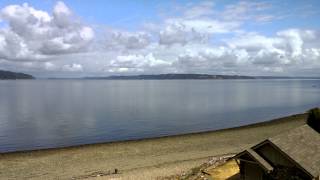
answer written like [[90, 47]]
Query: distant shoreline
[[180, 77], [172, 76], [8, 75], [192, 77]]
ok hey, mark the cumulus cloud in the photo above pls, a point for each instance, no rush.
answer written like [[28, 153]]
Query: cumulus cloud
[[199, 38], [128, 40], [287, 47], [207, 59], [295, 39], [255, 42], [13, 47], [136, 63], [72, 67], [35, 34], [173, 34], [198, 23], [182, 31], [290, 51], [247, 53], [250, 53], [50, 66]]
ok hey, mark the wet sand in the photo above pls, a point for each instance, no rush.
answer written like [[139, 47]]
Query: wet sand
[[142, 159]]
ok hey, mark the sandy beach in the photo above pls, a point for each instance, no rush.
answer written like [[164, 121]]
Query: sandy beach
[[142, 159]]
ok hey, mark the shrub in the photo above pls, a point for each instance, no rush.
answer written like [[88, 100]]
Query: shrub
[[313, 119]]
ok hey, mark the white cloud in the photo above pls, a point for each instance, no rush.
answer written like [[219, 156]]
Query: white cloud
[[246, 10], [184, 31], [13, 47], [128, 40], [34, 34], [255, 42], [296, 38], [199, 10], [72, 67], [268, 58], [287, 47], [201, 38], [120, 70], [50, 66], [208, 59], [197, 24], [136, 63], [208, 25], [173, 34], [245, 53], [264, 18]]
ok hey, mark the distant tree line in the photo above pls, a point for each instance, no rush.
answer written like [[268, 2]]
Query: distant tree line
[[173, 76], [14, 75]]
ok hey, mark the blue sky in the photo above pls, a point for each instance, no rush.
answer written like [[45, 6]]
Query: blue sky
[[131, 14], [80, 38]]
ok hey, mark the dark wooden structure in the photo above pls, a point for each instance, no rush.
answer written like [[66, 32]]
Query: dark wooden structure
[[291, 155]]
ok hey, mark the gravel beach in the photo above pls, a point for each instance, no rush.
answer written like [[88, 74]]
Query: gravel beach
[[141, 159]]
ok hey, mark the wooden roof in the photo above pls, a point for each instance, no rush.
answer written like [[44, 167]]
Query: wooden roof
[[256, 158], [260, 160], [302, 145]]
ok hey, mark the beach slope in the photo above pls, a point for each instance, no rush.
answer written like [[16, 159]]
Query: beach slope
[[143, 159]]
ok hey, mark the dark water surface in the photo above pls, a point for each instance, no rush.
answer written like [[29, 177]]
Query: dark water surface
[[38, 114]]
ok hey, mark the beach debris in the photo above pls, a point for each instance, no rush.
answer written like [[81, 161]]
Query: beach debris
[[98, 174], [199, 172]]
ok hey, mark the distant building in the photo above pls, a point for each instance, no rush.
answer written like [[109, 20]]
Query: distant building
[[291, 155]]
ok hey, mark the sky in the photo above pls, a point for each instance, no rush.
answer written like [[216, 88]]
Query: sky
[[128, 37]]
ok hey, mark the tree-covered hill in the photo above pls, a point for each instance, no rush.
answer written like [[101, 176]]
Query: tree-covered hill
[[14, 75]]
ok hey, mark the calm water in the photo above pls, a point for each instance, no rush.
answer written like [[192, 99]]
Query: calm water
[[53, 113]]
